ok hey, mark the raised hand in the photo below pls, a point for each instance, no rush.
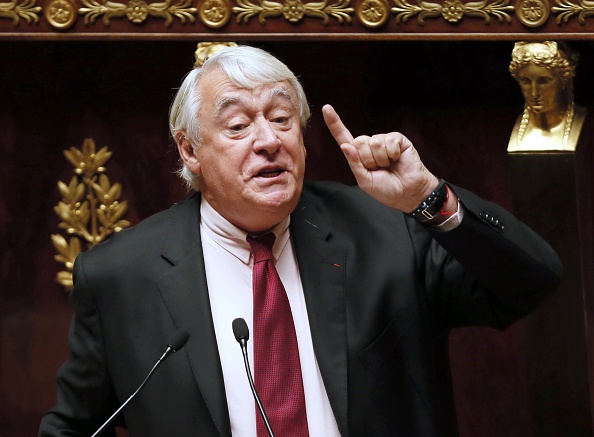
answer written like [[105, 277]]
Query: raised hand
[[386, 166]]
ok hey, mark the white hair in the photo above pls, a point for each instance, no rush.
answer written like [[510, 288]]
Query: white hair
[[247, 67]]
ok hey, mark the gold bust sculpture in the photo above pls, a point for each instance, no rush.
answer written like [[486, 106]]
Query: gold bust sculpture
[[550, 121]]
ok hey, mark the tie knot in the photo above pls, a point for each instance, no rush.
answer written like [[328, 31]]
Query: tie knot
[[262, 246]]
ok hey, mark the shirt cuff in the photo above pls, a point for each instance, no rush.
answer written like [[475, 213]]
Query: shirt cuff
[[453, 221]]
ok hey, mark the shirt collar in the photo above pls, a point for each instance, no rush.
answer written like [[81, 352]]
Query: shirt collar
[[233, 239]]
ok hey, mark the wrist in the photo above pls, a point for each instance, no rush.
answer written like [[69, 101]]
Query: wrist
[[437, 207]]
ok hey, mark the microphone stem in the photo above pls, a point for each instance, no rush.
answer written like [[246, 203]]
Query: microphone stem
[[119, 410], [251, 380]]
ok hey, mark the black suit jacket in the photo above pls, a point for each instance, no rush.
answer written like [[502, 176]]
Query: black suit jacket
[[382, 294]]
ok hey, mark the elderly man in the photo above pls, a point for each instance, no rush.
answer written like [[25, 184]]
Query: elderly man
[[349, 292]]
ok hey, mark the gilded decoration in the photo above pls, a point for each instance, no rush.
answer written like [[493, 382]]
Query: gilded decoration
[[550, 121], [452, 10], [214, 13], [137, 11], [206, 49], [60, 14], [533, 13], [373, 13], [566, 9], [90, 208], [293, 10], [25, 10]]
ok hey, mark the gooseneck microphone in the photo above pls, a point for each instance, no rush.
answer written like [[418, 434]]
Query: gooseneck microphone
[[176, 342], [242, 335]]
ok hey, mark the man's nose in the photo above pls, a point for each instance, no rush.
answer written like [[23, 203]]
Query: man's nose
[[266, 137]]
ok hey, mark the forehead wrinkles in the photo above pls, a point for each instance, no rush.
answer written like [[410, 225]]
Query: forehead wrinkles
[[227, 101]]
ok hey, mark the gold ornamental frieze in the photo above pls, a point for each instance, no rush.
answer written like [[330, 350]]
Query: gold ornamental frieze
[[214, 13], [16, 11], [373, 13], [90, 209], [567, 9], [60, 14], [452, 11], [137, 11], [293, 10], [533, 13]]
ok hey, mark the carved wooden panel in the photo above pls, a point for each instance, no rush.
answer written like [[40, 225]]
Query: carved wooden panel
[[297, 19]]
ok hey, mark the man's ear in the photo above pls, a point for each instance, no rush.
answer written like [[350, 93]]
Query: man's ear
[[187, 152]]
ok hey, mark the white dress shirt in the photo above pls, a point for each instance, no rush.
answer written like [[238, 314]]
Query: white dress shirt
[[228, 263]]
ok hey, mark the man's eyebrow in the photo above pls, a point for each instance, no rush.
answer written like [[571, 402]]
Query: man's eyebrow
[[226, 102], [282, 92]]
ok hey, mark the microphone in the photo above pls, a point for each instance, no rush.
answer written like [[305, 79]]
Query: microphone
[[176, 342], [242, 335]]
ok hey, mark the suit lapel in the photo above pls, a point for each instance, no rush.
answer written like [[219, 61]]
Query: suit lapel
[[322, 268], [185, 293]]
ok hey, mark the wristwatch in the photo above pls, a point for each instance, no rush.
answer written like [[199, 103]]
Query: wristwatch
[[431, 206]]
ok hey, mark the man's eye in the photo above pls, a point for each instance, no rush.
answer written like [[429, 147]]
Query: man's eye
[[237, 127], [280, 119]]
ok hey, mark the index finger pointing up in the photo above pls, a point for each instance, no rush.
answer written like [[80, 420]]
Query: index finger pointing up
[[338, 130]]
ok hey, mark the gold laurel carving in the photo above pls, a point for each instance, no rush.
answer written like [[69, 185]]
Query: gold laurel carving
[[60, 14], [293, 10], [533, 13], [25, 10], [214, 13], [90, 208], [373, 13], [566, 9], [453, 10], [137, 11]]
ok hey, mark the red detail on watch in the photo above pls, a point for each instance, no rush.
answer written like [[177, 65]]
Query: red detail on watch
[[442, 211]]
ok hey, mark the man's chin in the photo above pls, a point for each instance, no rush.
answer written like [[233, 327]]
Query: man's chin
[[281, 199], [279, 202]]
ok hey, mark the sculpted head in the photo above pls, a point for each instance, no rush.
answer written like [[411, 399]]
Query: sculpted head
[[548, 54], [544, 71]]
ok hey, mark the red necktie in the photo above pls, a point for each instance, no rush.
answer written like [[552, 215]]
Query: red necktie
[[277, 371]]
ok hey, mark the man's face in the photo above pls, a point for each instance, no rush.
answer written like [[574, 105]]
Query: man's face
[[540, 87], [251, 155]]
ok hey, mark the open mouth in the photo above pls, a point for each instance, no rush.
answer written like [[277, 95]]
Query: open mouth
[[270, 173]]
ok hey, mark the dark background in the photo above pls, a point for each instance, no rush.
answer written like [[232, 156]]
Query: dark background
[[455, 100]]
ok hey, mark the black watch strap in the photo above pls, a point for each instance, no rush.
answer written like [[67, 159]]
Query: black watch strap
[[431, 206]]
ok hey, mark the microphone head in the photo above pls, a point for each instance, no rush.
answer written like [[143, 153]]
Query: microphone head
[[241, 330], [178, 340]]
